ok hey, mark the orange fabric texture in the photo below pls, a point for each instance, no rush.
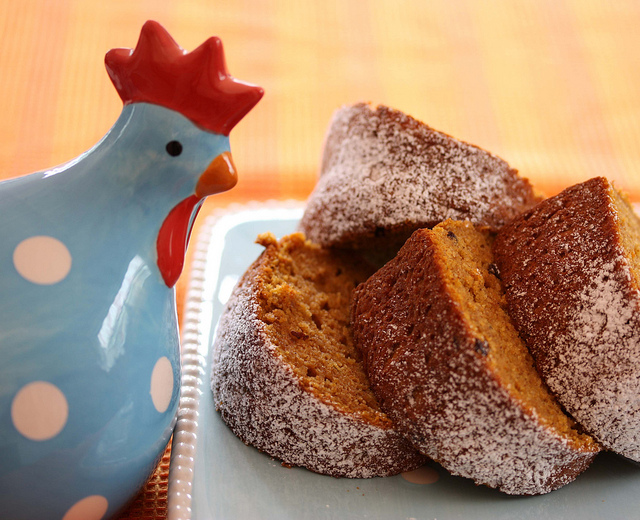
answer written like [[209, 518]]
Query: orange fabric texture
[[551, 86]]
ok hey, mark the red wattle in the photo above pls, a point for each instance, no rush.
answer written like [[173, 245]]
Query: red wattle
[[173, 239]]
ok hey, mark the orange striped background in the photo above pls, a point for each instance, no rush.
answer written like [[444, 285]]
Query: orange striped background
[[552, 86]]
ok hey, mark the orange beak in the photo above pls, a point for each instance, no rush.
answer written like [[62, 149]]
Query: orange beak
[[220, 175]]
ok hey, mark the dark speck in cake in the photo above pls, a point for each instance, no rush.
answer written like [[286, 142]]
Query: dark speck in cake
[[482, 347]]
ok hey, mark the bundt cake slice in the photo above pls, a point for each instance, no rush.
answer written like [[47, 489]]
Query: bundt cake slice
[[571, 272], [287, 378], [385, 174], [448, 366]]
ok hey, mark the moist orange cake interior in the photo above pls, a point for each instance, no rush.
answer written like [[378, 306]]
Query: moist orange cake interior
[[629, 233], [475, 285], [305, 304]]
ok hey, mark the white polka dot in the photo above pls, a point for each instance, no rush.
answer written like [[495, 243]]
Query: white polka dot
[[423, 475], [91, 508], [162, 384], [39, 411], [43, 260]]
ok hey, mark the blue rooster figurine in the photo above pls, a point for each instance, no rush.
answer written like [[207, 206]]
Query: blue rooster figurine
[[90, 252]]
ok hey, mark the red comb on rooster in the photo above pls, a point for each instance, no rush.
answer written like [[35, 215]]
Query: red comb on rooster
[[196, 84]]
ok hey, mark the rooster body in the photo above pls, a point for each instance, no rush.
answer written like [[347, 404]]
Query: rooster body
[[90, 372]]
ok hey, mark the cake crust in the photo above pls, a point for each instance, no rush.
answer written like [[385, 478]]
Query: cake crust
[[385, 174], [572, 289]]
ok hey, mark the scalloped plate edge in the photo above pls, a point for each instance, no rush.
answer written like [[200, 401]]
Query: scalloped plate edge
[[196, 328]]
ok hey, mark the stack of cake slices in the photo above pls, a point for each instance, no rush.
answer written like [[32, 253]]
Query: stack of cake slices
[[433, 305]]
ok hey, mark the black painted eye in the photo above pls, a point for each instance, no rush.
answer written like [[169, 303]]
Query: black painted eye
[[174, 148]]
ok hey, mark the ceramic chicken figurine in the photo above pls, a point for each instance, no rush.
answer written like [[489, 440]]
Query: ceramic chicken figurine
[[90, 251]]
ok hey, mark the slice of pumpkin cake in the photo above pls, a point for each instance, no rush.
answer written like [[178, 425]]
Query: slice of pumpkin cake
[[448, 366], [287, 378]]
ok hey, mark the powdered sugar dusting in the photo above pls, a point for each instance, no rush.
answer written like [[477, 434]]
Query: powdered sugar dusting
[[262, 401], [602, 388], [383, 170], [485, 435], [571, 292]]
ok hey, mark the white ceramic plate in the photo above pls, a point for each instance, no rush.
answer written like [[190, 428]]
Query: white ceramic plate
[[213, 475]]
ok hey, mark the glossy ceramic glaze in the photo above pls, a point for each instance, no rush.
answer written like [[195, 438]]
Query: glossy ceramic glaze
[[90, 250]]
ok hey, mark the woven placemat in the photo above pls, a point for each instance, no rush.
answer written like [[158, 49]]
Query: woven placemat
[[151, 502]]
